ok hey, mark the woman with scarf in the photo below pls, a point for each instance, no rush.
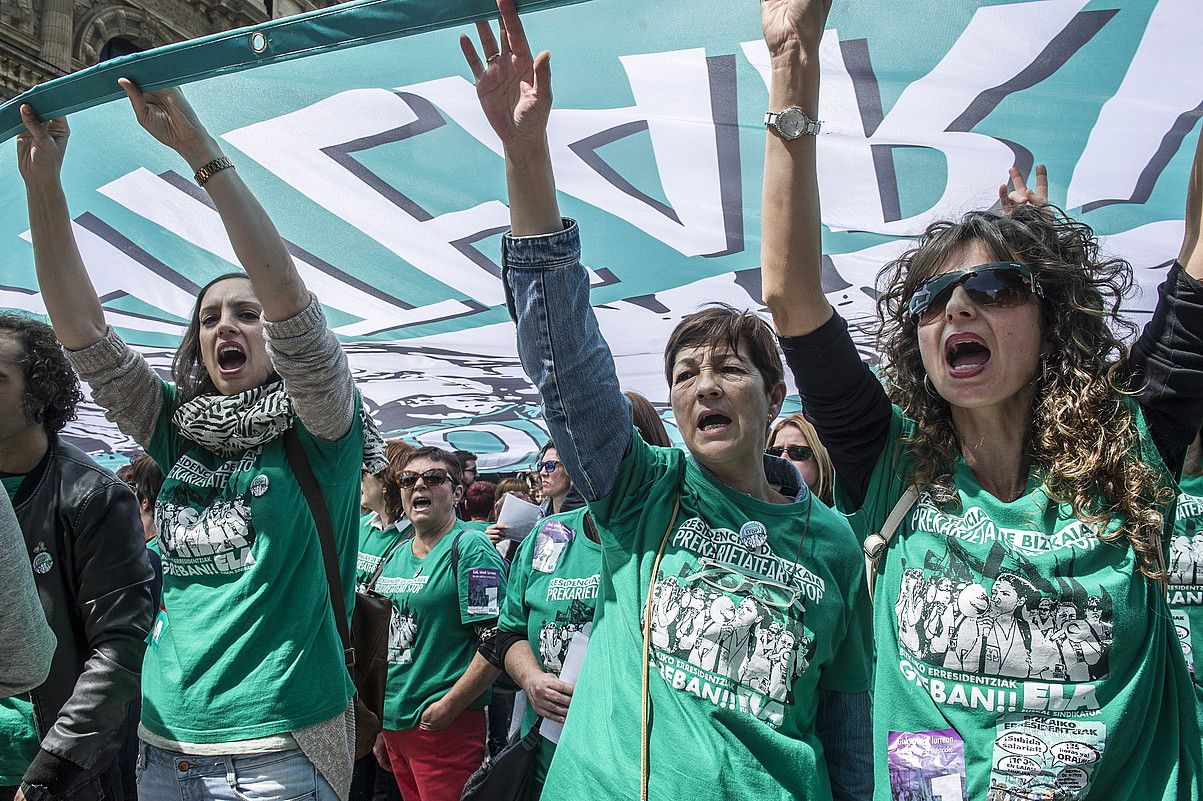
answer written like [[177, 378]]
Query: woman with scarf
[[245, 690], [1031, 458]]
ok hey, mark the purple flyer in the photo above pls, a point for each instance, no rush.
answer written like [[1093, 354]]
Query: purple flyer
[[927, 765]]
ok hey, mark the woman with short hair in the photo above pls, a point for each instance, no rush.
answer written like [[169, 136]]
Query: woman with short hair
[[776, 573]]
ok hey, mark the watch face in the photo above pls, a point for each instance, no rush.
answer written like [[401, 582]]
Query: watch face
[[791, 121]]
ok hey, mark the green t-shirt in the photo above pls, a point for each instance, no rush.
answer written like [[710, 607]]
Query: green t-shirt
[[745, 631], [18, 738], [551, 595], [374, 544], [996, 677], [1186, 575], [244, 645], [431, 639], [12, 484]]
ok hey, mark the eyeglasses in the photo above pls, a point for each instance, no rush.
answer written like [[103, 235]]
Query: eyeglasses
[[548, 467], [797, 453], [431, 478], [1002, 284]]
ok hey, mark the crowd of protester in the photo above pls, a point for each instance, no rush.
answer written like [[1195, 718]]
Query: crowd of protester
[[976, 574]]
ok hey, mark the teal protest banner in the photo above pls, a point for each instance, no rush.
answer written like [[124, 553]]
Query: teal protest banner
[[359, 129]]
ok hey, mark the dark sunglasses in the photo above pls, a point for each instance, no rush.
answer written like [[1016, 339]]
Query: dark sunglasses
[[548, 467], [1001, 283], [797, 453], [431, 478]]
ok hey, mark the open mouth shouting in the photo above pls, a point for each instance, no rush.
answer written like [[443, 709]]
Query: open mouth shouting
[[420, 503], [713, 423], [231, 358], [966, 355]]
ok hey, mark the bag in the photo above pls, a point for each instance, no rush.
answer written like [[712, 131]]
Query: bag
[[365, 642], [508, 776], [875, 544]]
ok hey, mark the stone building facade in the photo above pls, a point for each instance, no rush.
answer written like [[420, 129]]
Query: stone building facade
[[43, 39]]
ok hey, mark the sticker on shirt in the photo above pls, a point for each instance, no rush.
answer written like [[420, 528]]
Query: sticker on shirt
[[484, 591], [997, 616], [555, 635], [1182, 626], [927, 765], [552, 539], [204, 520], [1045, 758], [728, 625], [402, 630]]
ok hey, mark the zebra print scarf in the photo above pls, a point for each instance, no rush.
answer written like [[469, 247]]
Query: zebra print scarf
[[231, 424]]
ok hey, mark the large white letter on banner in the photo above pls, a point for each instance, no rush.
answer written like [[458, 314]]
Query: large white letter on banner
[[674, 103], [855, 150], [1142, 126], [311, 149]]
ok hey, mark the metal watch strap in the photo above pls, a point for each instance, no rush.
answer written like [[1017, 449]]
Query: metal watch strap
[[809, 127], [212, 168]]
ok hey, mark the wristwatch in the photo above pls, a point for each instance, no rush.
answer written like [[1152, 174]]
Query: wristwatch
[[792, 123], [37, 792]]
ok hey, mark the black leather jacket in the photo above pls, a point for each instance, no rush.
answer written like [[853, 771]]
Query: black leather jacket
[[90, 565]]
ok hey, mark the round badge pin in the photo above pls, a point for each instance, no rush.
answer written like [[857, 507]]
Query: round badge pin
[[42, 563], [259, 485], [753, 534]]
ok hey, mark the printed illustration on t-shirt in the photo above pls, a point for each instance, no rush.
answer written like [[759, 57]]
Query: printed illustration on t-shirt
[[555, 635], [402, 631], [1186, 553], [729, 624], [484, 591], [204, 523], [1182, 626], [926, 765], [998, 616], [1037, 757], [550, 542]]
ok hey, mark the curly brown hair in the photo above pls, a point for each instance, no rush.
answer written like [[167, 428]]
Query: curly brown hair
[[51, 386], [1084, 438]]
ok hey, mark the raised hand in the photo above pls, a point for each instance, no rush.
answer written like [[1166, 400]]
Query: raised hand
[[514, 88], [793, 23], [1021, 195], [168, 117], [40, 148]]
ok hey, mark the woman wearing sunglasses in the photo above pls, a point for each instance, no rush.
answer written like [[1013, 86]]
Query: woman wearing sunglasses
[[245, 688], [1038, 446], [795, 438], [446, 584], [729, 659]]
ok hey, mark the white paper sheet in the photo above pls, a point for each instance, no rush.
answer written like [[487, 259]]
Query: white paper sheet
[[521, 516], [573, 661]]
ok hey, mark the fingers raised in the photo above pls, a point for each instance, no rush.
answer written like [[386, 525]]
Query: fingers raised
[[511, 25], [1042, 181], [469, 51], [488, 42]]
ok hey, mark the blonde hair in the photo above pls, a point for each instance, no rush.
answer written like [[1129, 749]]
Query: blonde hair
[[826, 481]]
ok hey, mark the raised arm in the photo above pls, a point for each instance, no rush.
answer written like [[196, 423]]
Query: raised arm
[[790, 257], [168, 117], [303, 350], [67, 291], [559, 341], [1191, 255]]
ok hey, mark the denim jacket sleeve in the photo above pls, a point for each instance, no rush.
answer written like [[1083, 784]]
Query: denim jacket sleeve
[[843, 723], [563, 353]]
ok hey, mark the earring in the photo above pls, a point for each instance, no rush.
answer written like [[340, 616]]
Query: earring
[[929, 387]]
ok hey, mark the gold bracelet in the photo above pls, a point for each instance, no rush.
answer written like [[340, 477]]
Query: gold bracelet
[[212, 168]]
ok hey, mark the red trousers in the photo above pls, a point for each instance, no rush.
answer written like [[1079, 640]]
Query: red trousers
[[435, 765]]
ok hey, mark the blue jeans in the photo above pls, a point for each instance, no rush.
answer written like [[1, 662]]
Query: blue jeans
[[279, 776]]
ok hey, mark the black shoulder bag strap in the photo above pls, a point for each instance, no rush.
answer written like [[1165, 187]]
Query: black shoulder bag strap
[[303, 473]]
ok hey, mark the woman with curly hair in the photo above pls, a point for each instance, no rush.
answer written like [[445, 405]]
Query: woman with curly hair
[[795, 438], [1042, 452], [245, 687]]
